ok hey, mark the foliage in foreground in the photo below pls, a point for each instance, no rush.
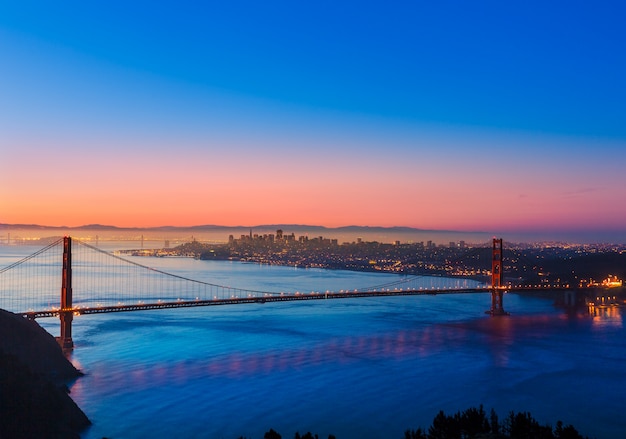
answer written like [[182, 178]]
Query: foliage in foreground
[[474, 423], [271, 434]]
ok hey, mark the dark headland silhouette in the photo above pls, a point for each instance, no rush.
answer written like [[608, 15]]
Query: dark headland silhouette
[[34, 400]]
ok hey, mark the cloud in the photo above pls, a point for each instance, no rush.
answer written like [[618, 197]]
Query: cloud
[[581, 191]]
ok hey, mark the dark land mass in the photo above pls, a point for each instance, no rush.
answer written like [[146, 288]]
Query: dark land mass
[[588, 265], [34, 400]]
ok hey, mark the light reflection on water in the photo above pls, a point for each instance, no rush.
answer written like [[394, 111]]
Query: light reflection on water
[[604, 316], [371, 368]]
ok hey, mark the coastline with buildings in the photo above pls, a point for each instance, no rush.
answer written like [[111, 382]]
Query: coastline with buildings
[[544, 263]]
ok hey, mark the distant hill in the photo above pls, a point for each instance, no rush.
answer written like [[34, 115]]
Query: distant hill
[[214, 232], [218, 233], [214, 227]]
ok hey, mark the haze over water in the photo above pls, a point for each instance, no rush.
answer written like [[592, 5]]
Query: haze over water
[[355, 368]]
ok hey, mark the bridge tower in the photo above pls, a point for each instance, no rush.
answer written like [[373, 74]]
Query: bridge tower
[[65, 339], [496, 279]]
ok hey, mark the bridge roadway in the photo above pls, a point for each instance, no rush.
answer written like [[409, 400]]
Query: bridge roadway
[[270, 297], [283, 297]]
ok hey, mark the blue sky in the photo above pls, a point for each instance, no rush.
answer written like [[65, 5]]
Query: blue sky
[[524, 66], [534, 87]]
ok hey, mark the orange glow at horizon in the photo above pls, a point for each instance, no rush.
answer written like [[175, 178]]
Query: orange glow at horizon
[[123, 123], [184, 187]]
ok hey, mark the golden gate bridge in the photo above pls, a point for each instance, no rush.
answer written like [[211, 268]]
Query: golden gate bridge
[[94, 281]]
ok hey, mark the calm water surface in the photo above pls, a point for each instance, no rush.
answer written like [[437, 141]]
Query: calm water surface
[[357, 368]]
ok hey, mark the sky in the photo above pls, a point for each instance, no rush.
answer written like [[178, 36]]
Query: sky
[[493, 116]]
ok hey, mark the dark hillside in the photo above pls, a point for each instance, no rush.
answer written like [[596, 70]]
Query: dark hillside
[[32, 345], [34, 402]]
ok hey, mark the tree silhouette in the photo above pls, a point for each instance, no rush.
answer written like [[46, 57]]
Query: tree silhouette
[[567, 432], [444, 427], [415, 434], [493, 422], [523, 426], [473, 423], [271, 435]]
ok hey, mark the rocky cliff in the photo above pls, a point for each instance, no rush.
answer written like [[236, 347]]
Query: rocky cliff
[[34, 401]]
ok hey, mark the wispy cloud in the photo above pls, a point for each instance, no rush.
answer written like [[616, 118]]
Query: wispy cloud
[[581, 191]]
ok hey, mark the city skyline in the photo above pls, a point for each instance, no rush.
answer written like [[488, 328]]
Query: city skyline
[[490, 117]]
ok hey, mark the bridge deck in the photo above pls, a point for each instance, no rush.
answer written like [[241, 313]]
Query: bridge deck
[[241, 300]]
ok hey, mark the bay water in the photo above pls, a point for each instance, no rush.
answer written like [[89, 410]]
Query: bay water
[[355, 368]]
